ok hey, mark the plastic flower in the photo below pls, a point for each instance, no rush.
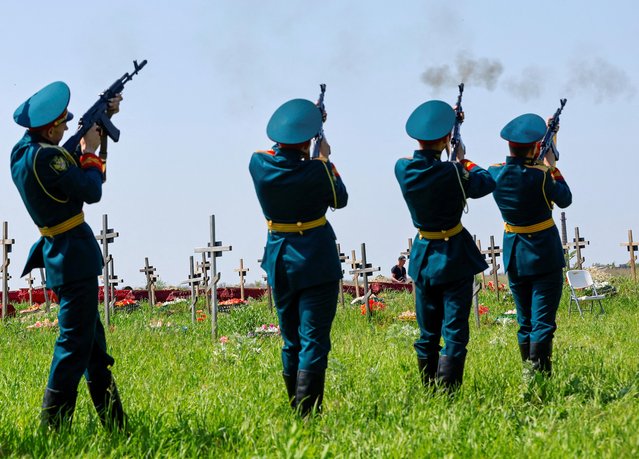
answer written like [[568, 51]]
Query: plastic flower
[[224, 339]]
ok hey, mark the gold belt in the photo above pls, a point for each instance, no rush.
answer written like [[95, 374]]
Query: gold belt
[[530, 228], [443, 234], [50, 231], [298, 227]]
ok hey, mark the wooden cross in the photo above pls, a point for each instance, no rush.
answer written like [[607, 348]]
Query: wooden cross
[[354, 265], [194, 281], [483, 273], [493, 252], [47, 302], [203, 269], [342, 259], [631, 246], [268, 288], [106, 236], [564, 240], [242, 273], [577, 244], [6, 250], [149, 272], [365, 269], [30, 280], [114, 281], [214, 248]]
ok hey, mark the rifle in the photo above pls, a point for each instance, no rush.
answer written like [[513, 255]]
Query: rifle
[[547, 143], [320, 135], [97, 114], [456, 139]]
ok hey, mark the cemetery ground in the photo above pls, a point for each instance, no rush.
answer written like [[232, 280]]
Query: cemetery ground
[[187, 396]]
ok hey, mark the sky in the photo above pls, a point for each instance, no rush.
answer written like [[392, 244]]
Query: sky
[[217, 70]]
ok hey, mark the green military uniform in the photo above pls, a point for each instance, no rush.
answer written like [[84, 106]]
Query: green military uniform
[[444, 257], [54, 185], [533, 254], [300, 258]]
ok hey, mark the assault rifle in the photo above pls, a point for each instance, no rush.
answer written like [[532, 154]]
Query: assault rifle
[[456, 139], [547, 143], [320, 135], [97, 114]]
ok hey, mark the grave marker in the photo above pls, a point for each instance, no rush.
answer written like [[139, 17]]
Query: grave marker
[[365, 269], [493, 252], [106, 237], [193, 281], [6, 250], [242, 273], [214, 249], [342, 259], [149, 272], [577, 244], [631, 246], [354, 265], [30, 280]]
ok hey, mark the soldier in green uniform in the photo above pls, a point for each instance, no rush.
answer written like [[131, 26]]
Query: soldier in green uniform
[[533, 255], [54, 185], [444, 257], [300, 258]]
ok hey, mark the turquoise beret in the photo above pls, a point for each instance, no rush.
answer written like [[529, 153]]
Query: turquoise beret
[[528, 128], [432, 120], [296, 121], [45, 106]]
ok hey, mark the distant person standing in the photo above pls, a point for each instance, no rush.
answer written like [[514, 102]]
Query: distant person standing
[[533, 255], [300, 258], [398, 272], [54, 185], [444, 257]]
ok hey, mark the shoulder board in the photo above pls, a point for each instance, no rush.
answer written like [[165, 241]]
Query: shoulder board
[[266, 152], [538, 167], [497, 164]]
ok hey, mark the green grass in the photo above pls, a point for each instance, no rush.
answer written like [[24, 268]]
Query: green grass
[[189, 397]]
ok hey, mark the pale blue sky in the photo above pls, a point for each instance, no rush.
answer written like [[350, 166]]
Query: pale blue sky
[[218, 69]]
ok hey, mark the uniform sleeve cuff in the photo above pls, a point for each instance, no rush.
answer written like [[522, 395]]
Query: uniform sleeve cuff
[[468, 164]]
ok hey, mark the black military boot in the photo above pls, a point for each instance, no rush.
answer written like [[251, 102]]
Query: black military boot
[[540, 354], [106, 400], [57, 409], [524, 350], [450, 372], [428, 369], [310, 392], [291, 385]]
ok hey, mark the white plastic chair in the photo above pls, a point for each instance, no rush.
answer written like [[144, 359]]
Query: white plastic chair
[[580, 279]]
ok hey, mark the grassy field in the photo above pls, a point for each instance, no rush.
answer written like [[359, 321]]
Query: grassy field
[[189, 397]]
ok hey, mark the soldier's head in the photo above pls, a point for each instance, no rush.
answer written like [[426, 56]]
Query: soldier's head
[[45, 113], [431, 124], [523, 135], [294, 124]]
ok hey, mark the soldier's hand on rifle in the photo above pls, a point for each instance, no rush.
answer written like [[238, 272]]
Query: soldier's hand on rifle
[[91, 140], [325, 148], [461, 114], [460, 151], [550, 160], [114, 105]]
